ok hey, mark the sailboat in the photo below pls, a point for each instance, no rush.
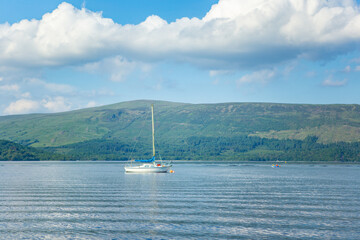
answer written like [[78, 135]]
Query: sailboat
[[149, 165]]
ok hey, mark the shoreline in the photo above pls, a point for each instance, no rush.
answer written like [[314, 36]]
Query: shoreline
[[191, 161]]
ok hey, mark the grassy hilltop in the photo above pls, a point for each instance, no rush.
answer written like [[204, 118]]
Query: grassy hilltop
[[255, 131]]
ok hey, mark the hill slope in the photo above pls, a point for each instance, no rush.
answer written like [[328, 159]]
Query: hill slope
[[179, 123], [330, 123], [10, 151]]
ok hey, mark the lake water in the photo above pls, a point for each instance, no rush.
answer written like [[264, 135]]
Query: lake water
[[97, 200]]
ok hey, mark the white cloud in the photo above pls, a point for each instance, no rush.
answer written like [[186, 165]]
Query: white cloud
[[26, 95], [262, 77], [117, 68], [234, 34], [10, 88], [329, 82], [214, 73], [22, 106], [57, 104], [289, 68], [357, 68], [83, 5], [91, 104], [1, 79], [50, 104]]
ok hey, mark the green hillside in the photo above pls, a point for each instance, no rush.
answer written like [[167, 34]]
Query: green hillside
[[10, 151], [115, 129]]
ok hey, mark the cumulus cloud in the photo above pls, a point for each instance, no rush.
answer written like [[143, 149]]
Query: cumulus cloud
[[233, 34], [22, 106], [57, 104], [50, 104]]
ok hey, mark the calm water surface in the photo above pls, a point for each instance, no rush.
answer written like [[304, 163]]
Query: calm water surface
[[97, 200]]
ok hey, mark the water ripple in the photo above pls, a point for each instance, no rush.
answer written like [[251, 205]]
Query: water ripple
[[97, 200]]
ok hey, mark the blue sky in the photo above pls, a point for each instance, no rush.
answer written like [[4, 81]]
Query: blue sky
[[59, 56]]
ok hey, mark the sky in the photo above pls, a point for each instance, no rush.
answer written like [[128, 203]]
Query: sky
[[59, 56]]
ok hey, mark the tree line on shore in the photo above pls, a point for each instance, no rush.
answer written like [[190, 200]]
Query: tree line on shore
[[241, 148]]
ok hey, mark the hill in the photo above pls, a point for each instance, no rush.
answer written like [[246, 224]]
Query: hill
[[191, 131], [10, 151]]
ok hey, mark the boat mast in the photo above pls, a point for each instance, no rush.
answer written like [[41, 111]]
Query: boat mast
[[153, 128]]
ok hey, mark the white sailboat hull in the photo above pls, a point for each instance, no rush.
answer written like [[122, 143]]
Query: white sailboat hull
[[147, 169], [150, 165]]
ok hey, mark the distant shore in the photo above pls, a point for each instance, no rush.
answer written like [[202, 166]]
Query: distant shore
[[282, 163]]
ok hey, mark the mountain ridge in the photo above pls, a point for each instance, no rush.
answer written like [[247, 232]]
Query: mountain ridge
[[192, 130], [266, 120]]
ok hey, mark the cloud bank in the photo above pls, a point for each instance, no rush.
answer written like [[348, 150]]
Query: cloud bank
[[233, 35]]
